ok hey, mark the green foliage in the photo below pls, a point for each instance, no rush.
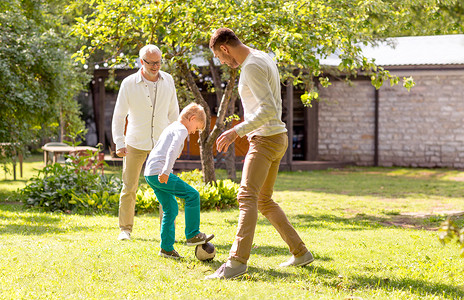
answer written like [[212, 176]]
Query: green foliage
[[299, 33], [231, 118], [76, 138], [415, 18], [408, 82], [146, 201], [100, 202], [219, 194], [38, 79], [450, 231], [72, 188], [9, 156]]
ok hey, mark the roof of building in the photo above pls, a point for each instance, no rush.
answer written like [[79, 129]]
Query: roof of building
[[413, 50]]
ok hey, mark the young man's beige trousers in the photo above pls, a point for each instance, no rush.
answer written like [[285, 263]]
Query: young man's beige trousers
[[132, 166], [259, 174]]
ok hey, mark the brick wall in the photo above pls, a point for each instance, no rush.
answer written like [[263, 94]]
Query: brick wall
[[420, 128], [346, 123]]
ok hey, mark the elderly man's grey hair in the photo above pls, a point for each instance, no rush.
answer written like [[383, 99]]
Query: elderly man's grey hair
[[149, 49]]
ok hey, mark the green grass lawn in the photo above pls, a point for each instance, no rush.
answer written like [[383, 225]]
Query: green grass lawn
[[371, 230]]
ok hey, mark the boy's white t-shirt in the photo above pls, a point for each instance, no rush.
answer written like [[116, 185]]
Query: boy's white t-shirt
[[168, 148]]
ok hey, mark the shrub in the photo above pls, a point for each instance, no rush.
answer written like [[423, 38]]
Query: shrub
[[217, 195], [450, 231], [146, 201], [69, 188]]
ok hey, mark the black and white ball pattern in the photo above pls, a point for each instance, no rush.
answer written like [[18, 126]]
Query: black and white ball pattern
[[205, 252]]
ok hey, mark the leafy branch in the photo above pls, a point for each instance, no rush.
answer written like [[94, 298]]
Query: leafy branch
[[450, 231]]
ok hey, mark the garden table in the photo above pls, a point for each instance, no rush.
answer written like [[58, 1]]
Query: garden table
[[54, 151]]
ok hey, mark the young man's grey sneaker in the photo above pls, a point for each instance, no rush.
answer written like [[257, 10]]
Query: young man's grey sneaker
[[169, 254], [124, 235], [299, 261], [229, 270], [200, 239]]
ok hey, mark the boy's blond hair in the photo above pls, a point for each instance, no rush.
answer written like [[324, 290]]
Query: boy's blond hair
[[194, 109]]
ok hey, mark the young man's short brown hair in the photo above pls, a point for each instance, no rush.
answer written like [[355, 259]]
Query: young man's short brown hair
[[223, 36], [194, 109]]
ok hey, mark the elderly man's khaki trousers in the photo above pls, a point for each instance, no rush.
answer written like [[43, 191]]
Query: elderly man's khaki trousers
[[132, 166]]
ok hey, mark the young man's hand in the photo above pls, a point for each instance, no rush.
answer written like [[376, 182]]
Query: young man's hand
[[225, 139], [163, 178]]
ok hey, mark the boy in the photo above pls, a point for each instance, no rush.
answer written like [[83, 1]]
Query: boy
[[167, 186]]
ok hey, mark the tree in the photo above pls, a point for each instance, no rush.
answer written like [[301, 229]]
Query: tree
[[298, 33], [37, 76], [451, 231], [426, 17], [180, 30]]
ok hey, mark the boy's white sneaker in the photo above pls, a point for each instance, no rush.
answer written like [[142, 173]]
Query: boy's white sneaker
[[124, 235]]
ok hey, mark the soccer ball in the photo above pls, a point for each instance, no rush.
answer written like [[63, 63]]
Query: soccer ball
[[205, 252]]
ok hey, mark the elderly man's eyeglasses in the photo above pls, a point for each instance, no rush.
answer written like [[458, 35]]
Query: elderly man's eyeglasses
[[153, 63]]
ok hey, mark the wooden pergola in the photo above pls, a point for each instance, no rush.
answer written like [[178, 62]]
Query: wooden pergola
[[307, 120]]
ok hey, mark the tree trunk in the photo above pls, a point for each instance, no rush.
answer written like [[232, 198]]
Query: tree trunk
[[61, 125], [230, 154], [229, 157], [207, 138], [206, 153], [207, 158]]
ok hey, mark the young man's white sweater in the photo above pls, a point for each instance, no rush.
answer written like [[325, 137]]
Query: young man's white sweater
[[259, 88]]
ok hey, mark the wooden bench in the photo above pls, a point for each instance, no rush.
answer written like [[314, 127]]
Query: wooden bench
[[52, 152]]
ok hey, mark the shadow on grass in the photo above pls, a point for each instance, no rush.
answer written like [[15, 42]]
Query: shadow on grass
[[253, 273], [146, 239], [361, 222], [267, 251], [6, 196], [18, 180], [35, 229], [414, 286], [331, 222], [30, 224], [375, 182], [257, 274], [330, 278]]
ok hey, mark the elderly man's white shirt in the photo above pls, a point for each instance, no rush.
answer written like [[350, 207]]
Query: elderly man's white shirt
[[145, 122]]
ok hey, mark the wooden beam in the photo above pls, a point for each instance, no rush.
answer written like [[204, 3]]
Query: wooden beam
[[101, 107], [311, 125], [289, 118], [376, 128]]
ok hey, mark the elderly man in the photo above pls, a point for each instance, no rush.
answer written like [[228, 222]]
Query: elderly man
[[149, 101]]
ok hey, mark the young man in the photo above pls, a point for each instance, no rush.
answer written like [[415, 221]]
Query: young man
[[148, 99], [167, 186], [259, 89]]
